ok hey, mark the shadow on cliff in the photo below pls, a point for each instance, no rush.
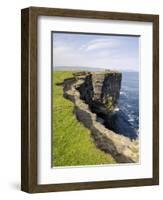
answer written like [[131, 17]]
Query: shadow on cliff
[[96, 98]]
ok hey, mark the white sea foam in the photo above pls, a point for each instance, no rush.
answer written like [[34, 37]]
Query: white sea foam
[[123, 93], [131, 120], [116, 109]]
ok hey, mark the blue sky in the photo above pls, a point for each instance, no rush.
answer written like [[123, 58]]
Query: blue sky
[[100, 51]]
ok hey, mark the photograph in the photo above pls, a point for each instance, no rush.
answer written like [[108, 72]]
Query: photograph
[[89, 99], [95, 99]]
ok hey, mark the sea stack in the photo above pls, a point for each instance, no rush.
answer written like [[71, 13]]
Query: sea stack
[[101, 90]]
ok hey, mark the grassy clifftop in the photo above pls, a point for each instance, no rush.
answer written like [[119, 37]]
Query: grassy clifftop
[[72, 142]]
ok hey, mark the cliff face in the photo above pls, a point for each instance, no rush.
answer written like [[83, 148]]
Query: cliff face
[[101, 90], [83, 86]]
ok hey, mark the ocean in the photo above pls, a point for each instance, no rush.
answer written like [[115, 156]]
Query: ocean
[[125, 121], [129, 98]]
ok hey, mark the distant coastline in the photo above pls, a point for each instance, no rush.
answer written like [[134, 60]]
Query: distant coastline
[[83, 68]]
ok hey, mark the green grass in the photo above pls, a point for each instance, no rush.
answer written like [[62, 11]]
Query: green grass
[[72, 142]]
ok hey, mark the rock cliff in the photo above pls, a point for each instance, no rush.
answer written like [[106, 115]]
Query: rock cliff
[[100, 91]]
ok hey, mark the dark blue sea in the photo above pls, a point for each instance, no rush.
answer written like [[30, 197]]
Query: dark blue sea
[[129, 98], [125, 120]]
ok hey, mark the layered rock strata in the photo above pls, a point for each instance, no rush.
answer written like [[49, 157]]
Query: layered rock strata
[[120, 147]]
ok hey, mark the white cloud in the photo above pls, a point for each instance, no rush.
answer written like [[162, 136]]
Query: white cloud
[[99, 44], [102, 53]]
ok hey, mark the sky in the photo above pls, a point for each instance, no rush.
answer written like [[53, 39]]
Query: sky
[[100, 51]]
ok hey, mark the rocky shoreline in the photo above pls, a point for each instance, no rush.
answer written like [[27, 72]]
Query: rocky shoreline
[[99, 92]]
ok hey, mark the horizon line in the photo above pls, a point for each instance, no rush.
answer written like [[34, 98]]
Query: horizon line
[[89, 67]]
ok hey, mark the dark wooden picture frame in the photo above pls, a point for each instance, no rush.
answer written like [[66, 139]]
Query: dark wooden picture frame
[[29, 87]]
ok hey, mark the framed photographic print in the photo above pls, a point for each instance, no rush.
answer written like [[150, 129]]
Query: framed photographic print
[[90, 99]]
